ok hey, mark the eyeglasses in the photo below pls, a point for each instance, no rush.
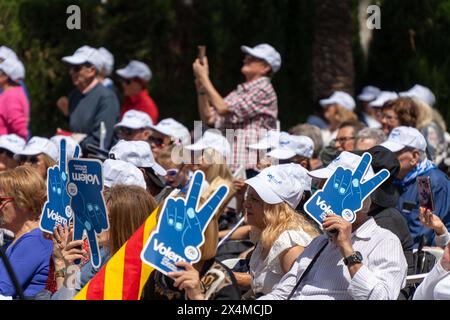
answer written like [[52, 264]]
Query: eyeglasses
[[8, 153], [343, 140], [31, 159], [389, 117], [156, 141], [172, 172], [5, 200]]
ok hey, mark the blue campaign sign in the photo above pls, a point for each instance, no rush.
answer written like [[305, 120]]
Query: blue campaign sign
[[85, 187], [181, 226], [57, 208], [344, 192]]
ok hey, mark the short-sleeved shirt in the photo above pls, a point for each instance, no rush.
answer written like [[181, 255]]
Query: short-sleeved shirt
[[29, 257], [266, 273], [251, 107]]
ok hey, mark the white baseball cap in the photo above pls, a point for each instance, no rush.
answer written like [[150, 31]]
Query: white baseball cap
[[38, 145], [291, 146], [268, 141], [382, 98], [420, 92], [281, 183], [340, 97], [265, 52], [212, 140], [347, 160], [137, 153], [174, 129], [135, 119], [71, 145], [108, 60], [7, 53], [369, 93], [12, 142], [121, 172], [402, 137], [86, 54], [136, 69], [14, 69]]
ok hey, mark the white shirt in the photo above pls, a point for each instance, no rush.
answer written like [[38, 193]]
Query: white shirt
[[436, 285], [266, 273], [381, 276]]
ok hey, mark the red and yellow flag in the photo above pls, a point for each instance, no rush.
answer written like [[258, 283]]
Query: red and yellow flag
[[124, 275]]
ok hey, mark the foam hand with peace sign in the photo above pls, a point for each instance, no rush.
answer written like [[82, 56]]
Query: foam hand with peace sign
[[344, 192], [181, 226], [86, 187], [57, 208]]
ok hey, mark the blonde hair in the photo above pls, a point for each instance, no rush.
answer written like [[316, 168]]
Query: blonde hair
[[218, 167], [128, 208], [281, 217], [48, 162], [424, 114], [344, 115], [27, 187]]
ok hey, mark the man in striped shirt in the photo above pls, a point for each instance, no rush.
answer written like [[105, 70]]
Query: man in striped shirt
[[250, 110]]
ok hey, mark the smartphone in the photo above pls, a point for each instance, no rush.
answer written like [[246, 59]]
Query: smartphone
[[425, 194], [201, 53]]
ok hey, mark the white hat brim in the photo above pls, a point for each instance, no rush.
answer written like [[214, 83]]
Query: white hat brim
[[124, 74], [127, 125], [325, 102], [74, 60], [393, 146], [281, 154], [323, 173], [263, 189], [158, 169]]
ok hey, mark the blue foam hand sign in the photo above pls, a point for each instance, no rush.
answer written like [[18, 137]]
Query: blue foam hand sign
[[57, 207], [344, 192], [181, 226], [85, 187]]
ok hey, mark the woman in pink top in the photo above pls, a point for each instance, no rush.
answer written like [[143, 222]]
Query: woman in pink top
[[14, 107]]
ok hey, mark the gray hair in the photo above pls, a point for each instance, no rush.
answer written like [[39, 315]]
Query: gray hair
[[312, 132], [370, 133]]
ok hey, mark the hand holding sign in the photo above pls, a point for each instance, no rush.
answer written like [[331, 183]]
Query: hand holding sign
[[181, 225], [57, 208], [85, 187], [344, 192]]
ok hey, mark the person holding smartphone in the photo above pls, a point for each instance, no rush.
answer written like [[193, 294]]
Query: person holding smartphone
[[253, 106]]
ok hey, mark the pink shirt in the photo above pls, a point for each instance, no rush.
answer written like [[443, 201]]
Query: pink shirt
[[14, 112]]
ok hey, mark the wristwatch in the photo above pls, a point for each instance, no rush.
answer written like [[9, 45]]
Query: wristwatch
[[354, 258], [61, 273]]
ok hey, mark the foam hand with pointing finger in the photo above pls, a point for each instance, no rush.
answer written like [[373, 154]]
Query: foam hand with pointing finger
[[87, 203], [344, 192], [57, 210], [181, 226]]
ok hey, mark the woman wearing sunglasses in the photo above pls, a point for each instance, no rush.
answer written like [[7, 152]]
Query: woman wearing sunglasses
[[22, 195], [40, 153], [9, 145]]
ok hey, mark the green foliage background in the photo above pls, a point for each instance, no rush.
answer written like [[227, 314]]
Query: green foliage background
[[165, 33]]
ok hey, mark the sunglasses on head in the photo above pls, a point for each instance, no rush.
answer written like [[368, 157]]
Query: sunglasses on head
[[31, 159], [4, 200], [8, 153]]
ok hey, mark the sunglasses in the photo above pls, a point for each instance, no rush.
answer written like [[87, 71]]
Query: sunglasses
[[156, 141], [172, 172], [78, 67], [4, 200], [8, 153], [31, 159]]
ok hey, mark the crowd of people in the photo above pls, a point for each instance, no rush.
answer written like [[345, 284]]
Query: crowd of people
[[278, 251]]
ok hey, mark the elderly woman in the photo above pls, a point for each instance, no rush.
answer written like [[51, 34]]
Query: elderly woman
[[14, 106], [22, 195]]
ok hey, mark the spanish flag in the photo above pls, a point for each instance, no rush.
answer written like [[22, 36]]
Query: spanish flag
[[124, 275]]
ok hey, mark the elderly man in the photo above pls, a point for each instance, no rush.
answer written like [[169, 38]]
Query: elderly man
[[359, 261], [135, 77], [251, 107], [345, 138], [409, 145], [90, 103], [134, 126]]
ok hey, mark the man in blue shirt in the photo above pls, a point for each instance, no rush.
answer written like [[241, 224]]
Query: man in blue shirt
[[409, 145]]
